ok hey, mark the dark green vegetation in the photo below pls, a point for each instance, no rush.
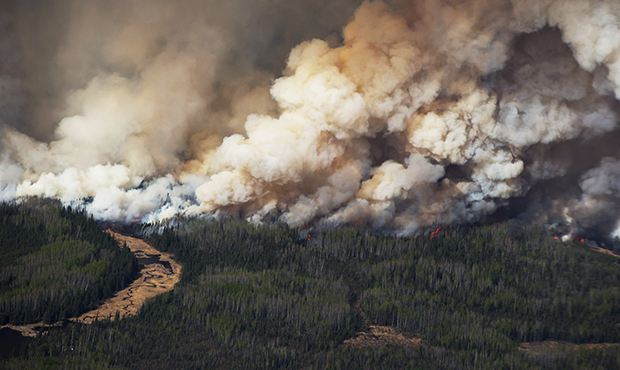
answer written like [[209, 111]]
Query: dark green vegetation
[[263, 297], [55, 263]]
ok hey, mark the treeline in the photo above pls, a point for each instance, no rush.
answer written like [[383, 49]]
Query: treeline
[[55, 262], [270, 297]]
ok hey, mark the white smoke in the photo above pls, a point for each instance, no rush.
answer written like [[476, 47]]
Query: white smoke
[[597, 208], [426, 112]]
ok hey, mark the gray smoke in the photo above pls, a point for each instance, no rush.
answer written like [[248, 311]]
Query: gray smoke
[[416, 113]]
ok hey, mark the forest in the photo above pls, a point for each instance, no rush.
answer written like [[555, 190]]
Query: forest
[[267, 296], [55, 262]]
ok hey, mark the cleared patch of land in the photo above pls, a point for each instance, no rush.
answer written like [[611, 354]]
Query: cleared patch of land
[[31, 330], [604, 251], [377, 336], [159, 274]]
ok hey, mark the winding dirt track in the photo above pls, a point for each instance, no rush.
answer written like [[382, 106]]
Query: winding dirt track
[[157, 277], [159, 273], [604, 251]]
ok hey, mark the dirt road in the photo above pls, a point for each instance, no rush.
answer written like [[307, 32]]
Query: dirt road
[[159, 273]]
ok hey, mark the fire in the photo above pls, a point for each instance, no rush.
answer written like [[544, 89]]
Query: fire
[[435, 233]]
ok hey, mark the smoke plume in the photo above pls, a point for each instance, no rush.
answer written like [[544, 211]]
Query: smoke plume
[[416, 113]]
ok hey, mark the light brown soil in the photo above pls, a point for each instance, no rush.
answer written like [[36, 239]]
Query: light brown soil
[[31, 330], [154, 279], [377, 336], [550, 346], [604, 251]]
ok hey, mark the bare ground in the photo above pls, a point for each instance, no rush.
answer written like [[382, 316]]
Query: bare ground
[[378, 336], [604, 251], [153, 280], [31, 330]]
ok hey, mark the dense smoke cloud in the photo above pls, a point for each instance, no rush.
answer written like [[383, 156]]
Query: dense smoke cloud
[[417, 113]]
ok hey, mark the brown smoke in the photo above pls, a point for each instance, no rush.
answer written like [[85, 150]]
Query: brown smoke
[[418, 112]]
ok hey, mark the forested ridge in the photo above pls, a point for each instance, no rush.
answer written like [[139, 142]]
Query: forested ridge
[[55, 262], [271, 297]]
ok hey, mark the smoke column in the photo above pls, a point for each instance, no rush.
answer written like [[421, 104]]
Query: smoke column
[[415, 113]]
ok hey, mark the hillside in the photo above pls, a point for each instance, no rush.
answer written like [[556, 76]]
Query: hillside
[[269, 296], [55, 263]]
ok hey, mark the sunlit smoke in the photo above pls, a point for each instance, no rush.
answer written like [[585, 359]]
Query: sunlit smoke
[[418, 113]]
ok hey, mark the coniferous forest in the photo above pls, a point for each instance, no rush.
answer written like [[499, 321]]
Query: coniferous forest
[[55, 263], [266, 296]]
